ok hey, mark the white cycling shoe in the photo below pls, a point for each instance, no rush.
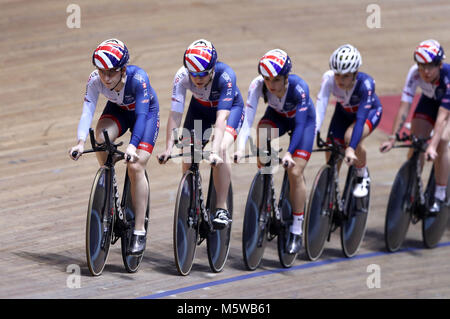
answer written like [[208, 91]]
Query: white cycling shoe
[[362, 187]]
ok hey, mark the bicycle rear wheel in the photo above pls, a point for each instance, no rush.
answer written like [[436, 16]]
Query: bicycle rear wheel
[[131, 262], [318, 219], [357, 209], [434, 225], [398, 214], [185, 225], [254, 236], [285, 207], [218, 241], [99, 223]]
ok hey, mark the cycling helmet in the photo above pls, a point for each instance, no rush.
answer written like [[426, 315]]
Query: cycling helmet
[[273, 63], [200, 56], [110, 54], [345, 59], [429, 51]]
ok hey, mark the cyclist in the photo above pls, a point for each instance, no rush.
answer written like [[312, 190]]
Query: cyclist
[[357, 113], [432, 111], [132, 104], [289, 109], [216, 100]]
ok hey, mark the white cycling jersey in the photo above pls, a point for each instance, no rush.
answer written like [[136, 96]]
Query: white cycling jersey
[[413, 80]]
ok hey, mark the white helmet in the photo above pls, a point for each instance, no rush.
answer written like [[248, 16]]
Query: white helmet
[[345, 59]]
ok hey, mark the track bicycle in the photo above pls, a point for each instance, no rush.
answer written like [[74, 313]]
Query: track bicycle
[[110, 218], [264, 217], [410, 203], [192, 218], [329, 210]]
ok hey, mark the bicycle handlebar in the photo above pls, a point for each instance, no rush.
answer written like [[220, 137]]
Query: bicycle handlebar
[[325, 146], [108, 147], [417, 143], [177, 142]]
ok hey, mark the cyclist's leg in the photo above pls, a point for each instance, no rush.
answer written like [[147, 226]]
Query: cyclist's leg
[[423, 120], [198, 118], [113, 120], [222, 172], [442, 169], [136, 172], [139, 185], [272, 126], [339, 124], [139, 188], [297, 184]]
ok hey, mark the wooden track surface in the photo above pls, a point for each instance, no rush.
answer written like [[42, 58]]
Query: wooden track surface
[[44, 194]]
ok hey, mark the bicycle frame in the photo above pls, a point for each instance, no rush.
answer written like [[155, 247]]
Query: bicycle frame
[[113, 195], [199, 209], [417, 202], [336, 202]]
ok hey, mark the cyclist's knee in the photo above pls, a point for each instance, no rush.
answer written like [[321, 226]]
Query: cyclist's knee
[[135, 169]]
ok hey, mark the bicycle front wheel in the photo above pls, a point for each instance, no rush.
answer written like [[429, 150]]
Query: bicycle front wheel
[[434, 225], [99, 223], [254, 237], [285, 207], [132, 262], [185, 225], [318, 219], [218, 241], [356, 212], [398, 214]]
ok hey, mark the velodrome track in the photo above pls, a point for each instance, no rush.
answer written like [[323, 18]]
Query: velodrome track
[[44, 195]]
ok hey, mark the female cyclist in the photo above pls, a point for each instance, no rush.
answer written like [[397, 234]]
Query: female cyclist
[[432, 111], [357, 113], [132, 104], [289, 109], [216, 100]]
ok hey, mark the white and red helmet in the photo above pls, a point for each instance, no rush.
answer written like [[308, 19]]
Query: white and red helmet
[[273, 63], [429, 51], [200, 56], [110, 54], [345, 59]]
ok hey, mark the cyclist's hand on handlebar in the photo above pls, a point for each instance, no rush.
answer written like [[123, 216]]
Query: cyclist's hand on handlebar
[[430, 153], [350, 156], [164, 157], [215, 159], [238, 156], [130, 154], [387, 145], [287, 160], [76, 151]]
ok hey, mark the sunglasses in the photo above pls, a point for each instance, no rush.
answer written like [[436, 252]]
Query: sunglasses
[[200, 74]]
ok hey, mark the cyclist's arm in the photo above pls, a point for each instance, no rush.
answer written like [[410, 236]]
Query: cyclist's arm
[[400, 118], [301, 116], [147, 105], [367, 97], [254, 93], [227, 87], [408, 92], [442, 122], [173, 122], [219, 130], [89, 105], [322, 98], [177, 106]]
